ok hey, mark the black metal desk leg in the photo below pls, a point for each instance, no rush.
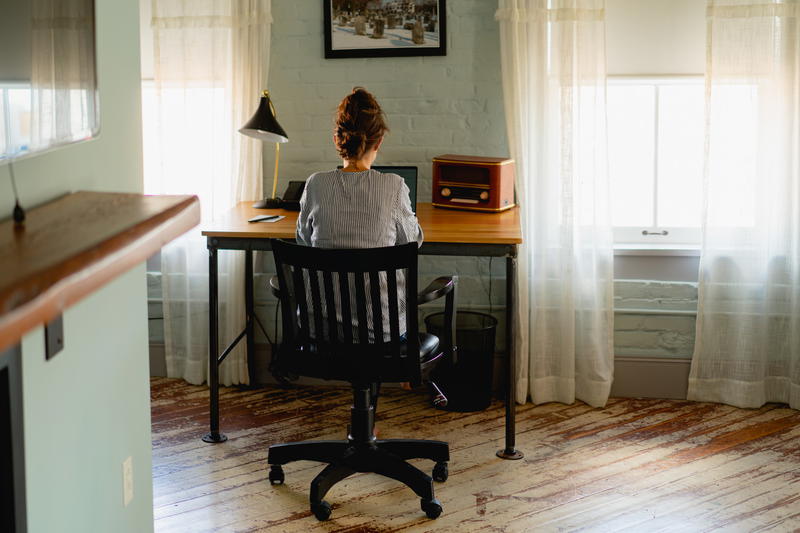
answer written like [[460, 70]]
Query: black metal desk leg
[[213, 347], [249, 306], [509, 452]]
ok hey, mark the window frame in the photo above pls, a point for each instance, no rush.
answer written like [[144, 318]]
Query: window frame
[[659, 237]]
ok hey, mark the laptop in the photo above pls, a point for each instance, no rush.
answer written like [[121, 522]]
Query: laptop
[[409, 175]]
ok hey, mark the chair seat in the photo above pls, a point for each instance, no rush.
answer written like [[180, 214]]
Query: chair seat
[[310, 360]]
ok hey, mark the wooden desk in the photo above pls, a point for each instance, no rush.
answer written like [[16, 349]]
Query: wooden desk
[[447, 232]]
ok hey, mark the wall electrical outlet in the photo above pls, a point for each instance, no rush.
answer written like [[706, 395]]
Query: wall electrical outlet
[[127, 480]]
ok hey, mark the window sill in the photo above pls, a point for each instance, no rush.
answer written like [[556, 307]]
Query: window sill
[[657, 249]]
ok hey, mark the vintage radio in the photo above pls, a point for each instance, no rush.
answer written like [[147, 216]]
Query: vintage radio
[[473, 182]]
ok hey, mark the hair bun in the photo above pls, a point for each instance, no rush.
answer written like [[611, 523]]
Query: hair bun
[[352, 142], [359, 124]]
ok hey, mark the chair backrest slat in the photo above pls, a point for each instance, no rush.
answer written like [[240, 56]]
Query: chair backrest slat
[[412, 318], [377, 311], [394, 314], [347, 316], [316, 300], [330, 306], [361, 308], [288, 300], [301, 301]]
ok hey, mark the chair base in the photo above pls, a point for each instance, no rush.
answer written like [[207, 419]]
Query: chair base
[[346, 457], [362, 452]]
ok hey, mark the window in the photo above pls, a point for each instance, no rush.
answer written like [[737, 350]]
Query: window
[[656, 144], [15, 109], [199, 147]]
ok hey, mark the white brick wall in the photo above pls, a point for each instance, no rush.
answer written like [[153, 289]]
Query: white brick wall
[[434, 105]]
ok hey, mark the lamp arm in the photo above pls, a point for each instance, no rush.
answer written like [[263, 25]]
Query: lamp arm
[[275, 177]]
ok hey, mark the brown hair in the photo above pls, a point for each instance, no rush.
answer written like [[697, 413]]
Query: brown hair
[[359, 125]]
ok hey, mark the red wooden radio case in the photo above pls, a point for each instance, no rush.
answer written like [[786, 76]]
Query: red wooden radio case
[[472, 182]]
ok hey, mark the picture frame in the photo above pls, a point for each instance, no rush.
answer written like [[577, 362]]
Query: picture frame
[[384, 28]]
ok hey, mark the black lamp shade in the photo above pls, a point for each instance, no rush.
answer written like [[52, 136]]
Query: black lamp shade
[[263, 124]]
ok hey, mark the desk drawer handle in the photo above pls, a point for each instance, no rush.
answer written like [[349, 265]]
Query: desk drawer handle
[[645, 232]]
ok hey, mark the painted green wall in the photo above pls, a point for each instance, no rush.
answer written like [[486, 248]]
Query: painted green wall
[[87, 410]]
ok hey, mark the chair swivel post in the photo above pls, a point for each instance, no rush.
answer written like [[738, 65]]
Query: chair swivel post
[[362, 416]]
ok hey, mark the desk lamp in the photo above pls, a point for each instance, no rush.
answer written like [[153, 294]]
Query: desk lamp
[[264, 126]]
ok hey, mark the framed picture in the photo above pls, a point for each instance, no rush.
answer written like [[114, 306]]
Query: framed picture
[[384, 28]]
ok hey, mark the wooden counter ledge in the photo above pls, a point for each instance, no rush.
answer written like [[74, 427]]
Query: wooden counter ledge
[[74, 245]]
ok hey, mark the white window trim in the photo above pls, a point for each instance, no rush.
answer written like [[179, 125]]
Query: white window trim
[[648, 249]]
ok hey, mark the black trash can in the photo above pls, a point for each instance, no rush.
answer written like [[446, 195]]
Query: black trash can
[[467, 383]]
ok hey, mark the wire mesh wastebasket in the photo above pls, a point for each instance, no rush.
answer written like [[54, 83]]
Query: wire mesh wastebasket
[[467, 382]]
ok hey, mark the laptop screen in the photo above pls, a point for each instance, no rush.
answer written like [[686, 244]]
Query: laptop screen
[[409, 174]]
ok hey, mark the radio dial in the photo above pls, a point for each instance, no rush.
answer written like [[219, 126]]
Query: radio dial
[[484, 195], [445, 192]]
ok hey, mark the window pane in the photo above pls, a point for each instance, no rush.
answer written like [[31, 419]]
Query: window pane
[[631, 147], [680, 155]]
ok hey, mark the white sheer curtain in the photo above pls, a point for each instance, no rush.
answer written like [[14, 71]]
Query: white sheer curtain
[[63, 80], [554, 80], [210, 66], [747, 349]]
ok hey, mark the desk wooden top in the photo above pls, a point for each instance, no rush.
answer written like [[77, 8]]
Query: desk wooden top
[[438, 224], [74, 245]]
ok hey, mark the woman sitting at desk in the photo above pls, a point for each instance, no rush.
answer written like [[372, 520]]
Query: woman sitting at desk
[[356, 207]]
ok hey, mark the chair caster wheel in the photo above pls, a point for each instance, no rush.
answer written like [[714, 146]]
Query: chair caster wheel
[[276, 475], [321, 510], [440, 472], [432, 508]]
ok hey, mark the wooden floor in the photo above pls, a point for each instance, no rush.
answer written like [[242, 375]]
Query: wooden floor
[[637, 465]]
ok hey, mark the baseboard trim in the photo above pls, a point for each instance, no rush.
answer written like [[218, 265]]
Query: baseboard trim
[[650, 377]]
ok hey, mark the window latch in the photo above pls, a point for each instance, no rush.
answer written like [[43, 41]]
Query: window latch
[[645, 232]]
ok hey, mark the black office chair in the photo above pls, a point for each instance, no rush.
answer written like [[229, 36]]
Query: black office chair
[[318, 341]]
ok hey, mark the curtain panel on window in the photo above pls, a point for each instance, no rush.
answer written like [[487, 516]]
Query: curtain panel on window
[[211, 59], [63, 78], [554, 87], [747, 348]]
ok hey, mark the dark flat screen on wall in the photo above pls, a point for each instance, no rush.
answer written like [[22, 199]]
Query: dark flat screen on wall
[[7, 504]]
